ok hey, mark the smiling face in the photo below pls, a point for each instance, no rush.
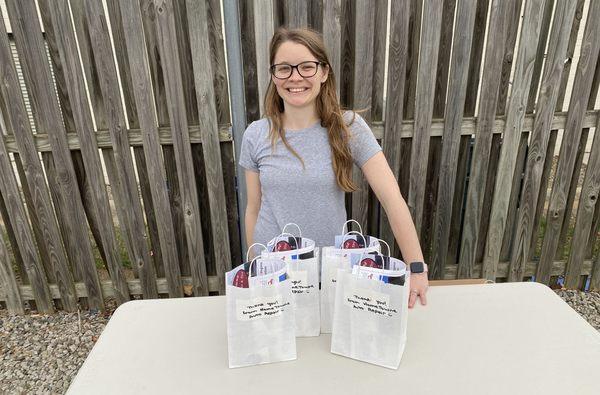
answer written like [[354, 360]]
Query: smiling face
[[298, 91]]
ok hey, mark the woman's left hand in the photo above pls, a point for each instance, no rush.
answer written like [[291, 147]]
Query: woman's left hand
[[418, 289]]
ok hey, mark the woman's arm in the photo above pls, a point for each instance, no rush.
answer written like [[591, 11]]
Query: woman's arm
[[253, 204], [384, 184]]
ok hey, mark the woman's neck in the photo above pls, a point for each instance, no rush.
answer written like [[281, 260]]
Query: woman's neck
[[299, 118]]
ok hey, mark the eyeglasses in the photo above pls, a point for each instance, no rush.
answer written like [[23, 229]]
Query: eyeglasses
[[284, 71]]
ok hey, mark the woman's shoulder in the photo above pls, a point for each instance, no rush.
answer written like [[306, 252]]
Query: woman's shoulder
[[257, 129], [355, 122]]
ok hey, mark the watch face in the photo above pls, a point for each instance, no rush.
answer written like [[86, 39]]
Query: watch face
[[416, 267]]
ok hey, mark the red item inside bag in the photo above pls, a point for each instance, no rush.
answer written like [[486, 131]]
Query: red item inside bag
[[351, 244], [283, 245], [241, 279], [368, 262]]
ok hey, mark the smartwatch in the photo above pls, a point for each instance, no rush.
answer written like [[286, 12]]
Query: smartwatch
[[418, 267]]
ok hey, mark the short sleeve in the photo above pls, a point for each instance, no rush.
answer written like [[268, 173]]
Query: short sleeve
[[248, 151], [362, 141]]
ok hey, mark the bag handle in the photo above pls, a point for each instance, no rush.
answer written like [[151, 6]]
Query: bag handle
[[292, 224], [388, 246], [250, 268], [345, 226], [250, 249]]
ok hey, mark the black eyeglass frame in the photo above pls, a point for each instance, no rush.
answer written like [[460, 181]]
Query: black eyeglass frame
[[295, 66]]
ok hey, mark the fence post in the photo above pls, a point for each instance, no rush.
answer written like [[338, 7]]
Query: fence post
[[238, 104]]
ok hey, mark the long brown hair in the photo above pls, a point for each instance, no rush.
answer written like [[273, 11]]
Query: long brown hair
[[328, 106]]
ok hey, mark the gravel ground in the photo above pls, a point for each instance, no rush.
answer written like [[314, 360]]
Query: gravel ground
[[41, 354]]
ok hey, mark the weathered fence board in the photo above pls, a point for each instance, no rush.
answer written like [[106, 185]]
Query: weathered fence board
[[362, 95], [517, 103], [412, 60], [513, 202], [263, 31], [24, 238], [562, 243], [428, 54], [488, 194], [483, 139], [475, 64], [346, 81], [562, 90], [585, 214], [514, 16], [35, 225], [151, 211], [332, 36], [210, 145], [541, 200], [296, 13], [457, 89], [398, 48], [19, 266], [155, 60], [458, 200], [435, 145], [248, 44], [540, 54], [12, 296]]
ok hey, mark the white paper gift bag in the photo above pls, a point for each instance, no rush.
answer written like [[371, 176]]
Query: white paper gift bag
[[371, 310], [260, 314], [302, 259], [338, 257]]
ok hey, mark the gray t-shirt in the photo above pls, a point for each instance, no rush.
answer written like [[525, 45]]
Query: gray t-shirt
[[309, 197]]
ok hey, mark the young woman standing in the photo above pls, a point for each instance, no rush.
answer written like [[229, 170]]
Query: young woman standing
[[299, 158]]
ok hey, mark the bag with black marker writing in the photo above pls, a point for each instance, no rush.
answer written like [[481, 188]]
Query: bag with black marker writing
[[260, 313], [371, 310], [348, 244], [301, 258]]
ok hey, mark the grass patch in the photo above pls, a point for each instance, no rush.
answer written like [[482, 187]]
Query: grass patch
[[123, 254]]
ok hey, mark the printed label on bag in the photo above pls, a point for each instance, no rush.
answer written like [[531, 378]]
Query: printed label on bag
[[333, 275], [261, 307], [369, 301], [299, 281]]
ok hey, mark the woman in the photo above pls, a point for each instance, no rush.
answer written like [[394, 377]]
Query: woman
[[299, 158]]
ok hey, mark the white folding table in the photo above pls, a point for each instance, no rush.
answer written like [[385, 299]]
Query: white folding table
[[513, 338]]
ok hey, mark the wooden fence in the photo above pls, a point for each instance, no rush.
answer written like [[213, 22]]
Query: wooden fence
[[467, 104]]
